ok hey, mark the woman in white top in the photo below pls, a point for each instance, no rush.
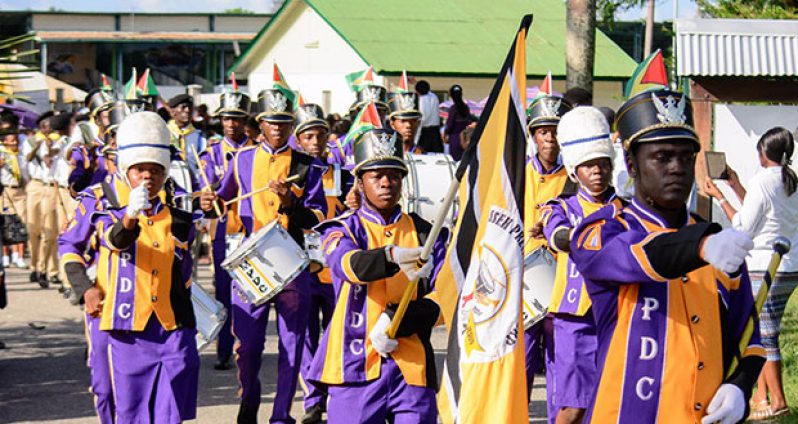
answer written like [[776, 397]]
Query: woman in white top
[[769, 209], [13, 177]]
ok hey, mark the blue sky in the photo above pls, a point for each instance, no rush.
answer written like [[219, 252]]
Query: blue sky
[[664, 8]]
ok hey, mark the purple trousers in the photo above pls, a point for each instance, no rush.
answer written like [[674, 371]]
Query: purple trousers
[[155, 374], [101, 386], [539, 345], [321, 307], [387, 398], [221, 282], [249, 326], [575, 371]]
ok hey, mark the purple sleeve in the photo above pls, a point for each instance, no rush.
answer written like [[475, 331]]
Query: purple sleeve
[[554, 217], [208, 165], [79, 162], [313, 197], [605, 251], [228, 186], [438, 255], [72, 243]]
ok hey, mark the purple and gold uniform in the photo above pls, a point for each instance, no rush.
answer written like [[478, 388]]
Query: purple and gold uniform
[[542, 185], [249, 322], [215, 161], [574, 331], [78, 249], [86, 169], [363, 386], [336, 182], [147, 311], [667, 323]]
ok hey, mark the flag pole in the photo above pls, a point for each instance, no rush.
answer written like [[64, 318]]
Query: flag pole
[[426, 251]]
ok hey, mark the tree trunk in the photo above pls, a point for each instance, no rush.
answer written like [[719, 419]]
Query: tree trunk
[[580, 44], [649, 41]]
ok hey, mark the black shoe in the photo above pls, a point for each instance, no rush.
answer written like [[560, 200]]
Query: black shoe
[[313, 415], [222, 365], [2, 345], [62, 290], [43, 283], [34, 277], [247, 414], [71, 296]]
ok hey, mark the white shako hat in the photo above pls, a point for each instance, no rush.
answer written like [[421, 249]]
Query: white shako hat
[[143, 137], [583, 135]]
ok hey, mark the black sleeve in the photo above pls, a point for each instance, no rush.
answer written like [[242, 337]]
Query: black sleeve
[[420, 317], [121, 237], [745, 376], [674, 254], [562, 240], [299, 215], [76, 275], [372, 265]]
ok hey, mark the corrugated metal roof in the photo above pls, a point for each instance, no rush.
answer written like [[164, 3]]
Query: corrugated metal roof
[[454, 37], [737, 47]]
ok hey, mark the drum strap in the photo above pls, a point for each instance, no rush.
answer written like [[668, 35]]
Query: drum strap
[[109, 194]]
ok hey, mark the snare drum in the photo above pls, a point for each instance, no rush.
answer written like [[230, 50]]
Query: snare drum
[[180, 173], [265, 263], [313, 249], [210, 315], [539, 270], [428, 179]]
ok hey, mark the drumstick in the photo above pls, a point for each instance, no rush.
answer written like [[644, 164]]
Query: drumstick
[[290, 179], [207, 183]]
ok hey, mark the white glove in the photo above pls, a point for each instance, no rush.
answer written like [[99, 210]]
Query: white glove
[[405, 255], [727, 406], [138, 201], [414, 273], [407, 259], [727, 249], [381, 342]]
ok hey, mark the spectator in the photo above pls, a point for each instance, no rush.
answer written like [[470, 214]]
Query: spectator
[[458, 119], [13, 177], [769, 209], [578, 96], [430, 136]]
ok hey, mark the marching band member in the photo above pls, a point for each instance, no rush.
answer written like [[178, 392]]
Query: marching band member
[[298, 206], [311, 137], [215, 160], [587, 153], [545, 179], [187, 138], [144, 271], [82, 152], [670, 294], [77, 250], [405, 119], [372, 254]]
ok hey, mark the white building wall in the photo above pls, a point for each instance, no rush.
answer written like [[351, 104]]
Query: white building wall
[[313, 59], [73, 22]]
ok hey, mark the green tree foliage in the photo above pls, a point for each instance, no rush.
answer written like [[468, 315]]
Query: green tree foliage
[[606, 9], [750, 9]]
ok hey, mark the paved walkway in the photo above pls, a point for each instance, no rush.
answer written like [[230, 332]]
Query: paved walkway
[[43, 376]]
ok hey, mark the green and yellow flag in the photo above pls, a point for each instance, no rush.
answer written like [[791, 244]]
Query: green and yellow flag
[[279, 83], [131, 88], [357, 80], [649, 75], [480, 283], [105, 85], [146, 86], [368, 118]]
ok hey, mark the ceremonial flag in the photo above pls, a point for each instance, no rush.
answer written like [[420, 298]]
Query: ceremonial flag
[[368, 118], [105, 85], [649, 75], [131, 89], [357, 80], [146, 86], [278, 83], [480, 283], [403, 84], [299, 99]]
